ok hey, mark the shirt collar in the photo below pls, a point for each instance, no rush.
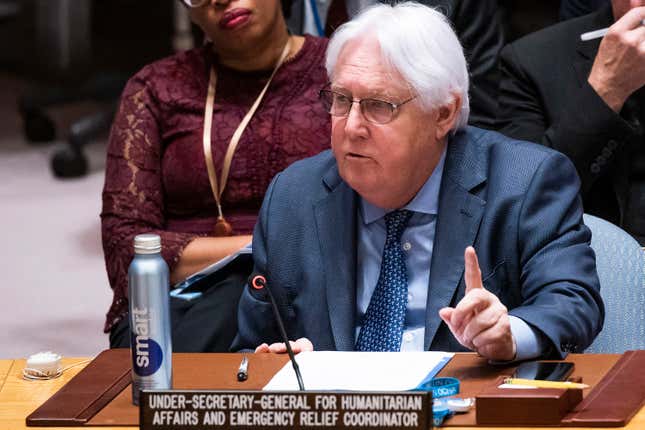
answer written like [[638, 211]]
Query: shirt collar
[[426, 201]]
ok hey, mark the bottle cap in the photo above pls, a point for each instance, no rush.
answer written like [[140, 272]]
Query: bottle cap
[[147, 243]]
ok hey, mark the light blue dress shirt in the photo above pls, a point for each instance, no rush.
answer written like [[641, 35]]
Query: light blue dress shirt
[[417, 242]]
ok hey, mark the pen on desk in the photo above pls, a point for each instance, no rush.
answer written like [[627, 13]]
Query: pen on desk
[[590, 35], [544, 384], [242, 372]]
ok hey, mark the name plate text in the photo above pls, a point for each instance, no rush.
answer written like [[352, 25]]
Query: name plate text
[[199, 409]]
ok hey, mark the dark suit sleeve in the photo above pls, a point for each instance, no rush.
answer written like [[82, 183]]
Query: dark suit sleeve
[[256, 322], [560, 288], [575, 8], [478, 25], [583, 127]]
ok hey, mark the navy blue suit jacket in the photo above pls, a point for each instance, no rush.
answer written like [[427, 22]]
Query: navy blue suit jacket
[[517, 203]]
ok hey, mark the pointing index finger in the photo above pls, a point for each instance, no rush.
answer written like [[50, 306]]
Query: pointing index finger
[[472, 273]]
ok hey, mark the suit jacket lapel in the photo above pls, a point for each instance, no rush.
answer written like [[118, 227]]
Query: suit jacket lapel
[[460, 213], [336, 228]]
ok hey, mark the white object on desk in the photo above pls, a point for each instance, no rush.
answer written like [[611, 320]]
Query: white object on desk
[[360, 371], [43, 365]]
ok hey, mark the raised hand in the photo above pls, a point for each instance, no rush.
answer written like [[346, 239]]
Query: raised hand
[[480, 321]]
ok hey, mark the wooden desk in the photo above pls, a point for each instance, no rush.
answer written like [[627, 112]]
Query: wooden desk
[[19, 397], [5, 365]]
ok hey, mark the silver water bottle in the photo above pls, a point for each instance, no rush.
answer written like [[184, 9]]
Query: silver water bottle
[[150, 341]]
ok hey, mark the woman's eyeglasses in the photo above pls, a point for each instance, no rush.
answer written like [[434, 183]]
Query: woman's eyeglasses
[[374, 110], [195, 3]]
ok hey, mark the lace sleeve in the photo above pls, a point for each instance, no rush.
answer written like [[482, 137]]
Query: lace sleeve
[[133, 199]]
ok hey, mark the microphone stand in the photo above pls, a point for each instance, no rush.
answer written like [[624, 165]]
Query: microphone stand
[[262, 281]]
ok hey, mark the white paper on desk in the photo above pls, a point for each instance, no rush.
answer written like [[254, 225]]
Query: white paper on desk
[[360, 371]]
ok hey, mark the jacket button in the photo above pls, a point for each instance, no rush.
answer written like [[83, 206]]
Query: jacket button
[[612, 144], [606, 152], [595, 168]]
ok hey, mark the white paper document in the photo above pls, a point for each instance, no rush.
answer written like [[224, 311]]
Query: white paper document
[[360, 371]]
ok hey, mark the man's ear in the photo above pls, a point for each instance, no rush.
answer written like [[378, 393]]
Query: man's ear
[[447, 116]]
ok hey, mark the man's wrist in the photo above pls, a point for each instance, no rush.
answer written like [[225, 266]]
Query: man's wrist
[[527, 341], [610, 95]]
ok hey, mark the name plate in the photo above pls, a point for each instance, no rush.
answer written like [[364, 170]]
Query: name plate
[[200, 409]]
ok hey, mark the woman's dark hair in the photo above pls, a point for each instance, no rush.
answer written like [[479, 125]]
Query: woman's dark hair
[[286, 8]]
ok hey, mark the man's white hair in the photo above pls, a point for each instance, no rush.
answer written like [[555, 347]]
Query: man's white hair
[[420, 44]]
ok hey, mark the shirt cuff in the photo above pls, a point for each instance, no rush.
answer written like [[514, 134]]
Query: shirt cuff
[[528, 343]]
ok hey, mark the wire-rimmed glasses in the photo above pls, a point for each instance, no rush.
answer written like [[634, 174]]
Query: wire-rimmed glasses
[[374, 110]]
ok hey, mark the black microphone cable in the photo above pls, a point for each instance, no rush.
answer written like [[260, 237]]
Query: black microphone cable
[[258, 282]]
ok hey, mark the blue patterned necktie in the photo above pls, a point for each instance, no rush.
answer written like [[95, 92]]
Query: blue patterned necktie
[[383, 322]]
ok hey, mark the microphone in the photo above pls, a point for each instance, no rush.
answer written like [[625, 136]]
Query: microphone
[[258, 282]]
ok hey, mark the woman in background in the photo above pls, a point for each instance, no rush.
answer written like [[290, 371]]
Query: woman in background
[[162, 146]]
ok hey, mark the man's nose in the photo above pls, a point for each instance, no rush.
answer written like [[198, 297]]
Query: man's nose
[[355, 123]]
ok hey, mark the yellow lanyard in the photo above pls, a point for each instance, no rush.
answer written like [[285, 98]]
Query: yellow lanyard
[[223, 228]]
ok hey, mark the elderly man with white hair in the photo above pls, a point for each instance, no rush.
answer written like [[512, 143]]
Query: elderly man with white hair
[[416, 232]]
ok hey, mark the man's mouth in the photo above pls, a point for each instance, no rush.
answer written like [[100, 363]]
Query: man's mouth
[[355, 155]]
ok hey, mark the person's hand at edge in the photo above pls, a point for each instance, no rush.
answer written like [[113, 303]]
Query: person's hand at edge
[[619, 67], [301, 345]]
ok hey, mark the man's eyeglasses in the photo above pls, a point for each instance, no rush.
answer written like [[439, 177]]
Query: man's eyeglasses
[[374, 110], [195, 3]]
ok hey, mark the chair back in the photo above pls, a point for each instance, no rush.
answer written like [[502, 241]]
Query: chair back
[[621, 268]]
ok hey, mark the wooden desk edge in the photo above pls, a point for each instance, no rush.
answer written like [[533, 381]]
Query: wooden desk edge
[[19, 422]]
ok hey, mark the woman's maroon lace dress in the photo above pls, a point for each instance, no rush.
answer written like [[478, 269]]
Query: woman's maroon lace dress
[[156, 179]]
